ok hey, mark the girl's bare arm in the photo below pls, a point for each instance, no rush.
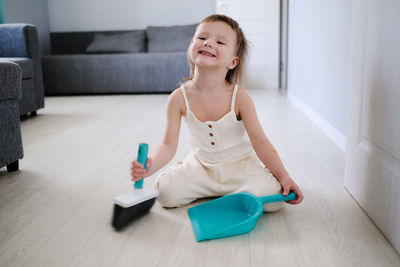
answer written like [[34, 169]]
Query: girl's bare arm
[[263, 147], [167, 148]]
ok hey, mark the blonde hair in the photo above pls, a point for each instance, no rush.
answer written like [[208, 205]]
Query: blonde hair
[[236, 74]]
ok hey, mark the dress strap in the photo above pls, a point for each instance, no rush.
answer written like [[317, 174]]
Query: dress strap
[[185, 97], [234, 96]]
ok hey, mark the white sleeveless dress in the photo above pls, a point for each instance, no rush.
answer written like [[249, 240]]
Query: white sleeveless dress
[[222, 162]]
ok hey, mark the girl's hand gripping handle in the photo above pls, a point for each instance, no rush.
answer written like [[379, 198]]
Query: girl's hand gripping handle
[[141, 158], [278, 198]]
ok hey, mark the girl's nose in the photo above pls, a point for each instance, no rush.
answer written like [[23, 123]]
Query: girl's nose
[[207, 43]]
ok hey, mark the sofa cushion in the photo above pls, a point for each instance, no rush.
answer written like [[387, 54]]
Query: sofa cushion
[[25, 64], [169, 39], [131, 42]]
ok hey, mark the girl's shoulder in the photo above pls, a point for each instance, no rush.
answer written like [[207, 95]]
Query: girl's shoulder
[[176, 92], [242, 95], [177, 95], [244, 102], [177, 100]]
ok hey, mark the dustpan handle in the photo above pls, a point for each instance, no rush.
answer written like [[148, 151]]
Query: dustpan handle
[[141, 158], [278, 198]]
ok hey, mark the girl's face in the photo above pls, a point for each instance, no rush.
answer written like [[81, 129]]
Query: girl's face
[[214, 45]]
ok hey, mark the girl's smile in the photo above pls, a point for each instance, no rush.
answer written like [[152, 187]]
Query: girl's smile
[[206, 53]]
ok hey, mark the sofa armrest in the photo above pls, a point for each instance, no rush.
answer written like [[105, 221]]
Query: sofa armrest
[[10, 81], [19, 40], [12, 42]]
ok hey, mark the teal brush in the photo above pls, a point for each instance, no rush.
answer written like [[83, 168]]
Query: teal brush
[[134, 204]]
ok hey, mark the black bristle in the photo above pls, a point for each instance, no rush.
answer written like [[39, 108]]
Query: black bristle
[[124, 216]]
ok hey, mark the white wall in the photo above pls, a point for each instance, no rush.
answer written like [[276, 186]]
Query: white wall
[[319, 61], [91, 15], [31, 12]]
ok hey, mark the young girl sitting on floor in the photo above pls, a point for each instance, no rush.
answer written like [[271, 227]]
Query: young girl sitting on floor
[[217, 113]]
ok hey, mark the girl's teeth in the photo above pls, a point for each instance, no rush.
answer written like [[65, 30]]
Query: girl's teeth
[[207, 54]]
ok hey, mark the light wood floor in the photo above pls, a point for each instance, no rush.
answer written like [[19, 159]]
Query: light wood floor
[[56, 210]]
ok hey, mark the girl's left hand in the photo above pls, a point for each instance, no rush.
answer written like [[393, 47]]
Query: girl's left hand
[[289, 185]]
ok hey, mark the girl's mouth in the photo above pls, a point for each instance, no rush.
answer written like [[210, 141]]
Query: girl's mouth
[[205, 53]]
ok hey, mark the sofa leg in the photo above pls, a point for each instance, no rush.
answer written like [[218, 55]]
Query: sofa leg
[[33, 113], [12, 167]]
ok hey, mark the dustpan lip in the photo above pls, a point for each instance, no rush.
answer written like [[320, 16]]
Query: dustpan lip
[[219, 233], [225, 197]]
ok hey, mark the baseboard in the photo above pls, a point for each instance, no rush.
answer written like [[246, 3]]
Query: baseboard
[[337, 137]]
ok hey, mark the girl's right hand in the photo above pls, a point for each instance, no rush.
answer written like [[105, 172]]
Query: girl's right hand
[[138, 171]]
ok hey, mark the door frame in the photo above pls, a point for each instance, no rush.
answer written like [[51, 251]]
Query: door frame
[[283, 44]]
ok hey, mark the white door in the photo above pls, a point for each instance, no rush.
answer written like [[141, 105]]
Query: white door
[[373, 139], [260, 21]]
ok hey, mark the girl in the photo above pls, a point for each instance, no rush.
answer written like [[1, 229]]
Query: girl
[[217, 113]]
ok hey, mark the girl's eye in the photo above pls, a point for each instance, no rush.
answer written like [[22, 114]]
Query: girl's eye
[[219, 42], [201, 38]]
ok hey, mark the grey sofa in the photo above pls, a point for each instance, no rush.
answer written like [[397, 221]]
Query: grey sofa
[[10, 131], [137, 61], [19, 44]]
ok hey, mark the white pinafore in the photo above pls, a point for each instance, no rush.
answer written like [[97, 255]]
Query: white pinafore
[[217, 141], [222, 162]]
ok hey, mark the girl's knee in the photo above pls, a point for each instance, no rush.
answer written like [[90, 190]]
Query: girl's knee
[[272, 207], [167, 198], [170, 195], [266, 187]]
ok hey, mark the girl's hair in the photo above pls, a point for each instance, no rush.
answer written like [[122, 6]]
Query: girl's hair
[[236, 74]]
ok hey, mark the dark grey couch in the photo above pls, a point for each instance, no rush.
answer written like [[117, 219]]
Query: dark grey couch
[[138, 61], [10, 131], [19, 44]]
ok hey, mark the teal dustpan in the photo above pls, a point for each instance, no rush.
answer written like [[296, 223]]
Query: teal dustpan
[[230, 215]]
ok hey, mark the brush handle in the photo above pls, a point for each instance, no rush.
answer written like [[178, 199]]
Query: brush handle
[[141, 158], [278, 198]]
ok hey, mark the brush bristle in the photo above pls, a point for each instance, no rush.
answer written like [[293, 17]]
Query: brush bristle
[[124, 216]]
